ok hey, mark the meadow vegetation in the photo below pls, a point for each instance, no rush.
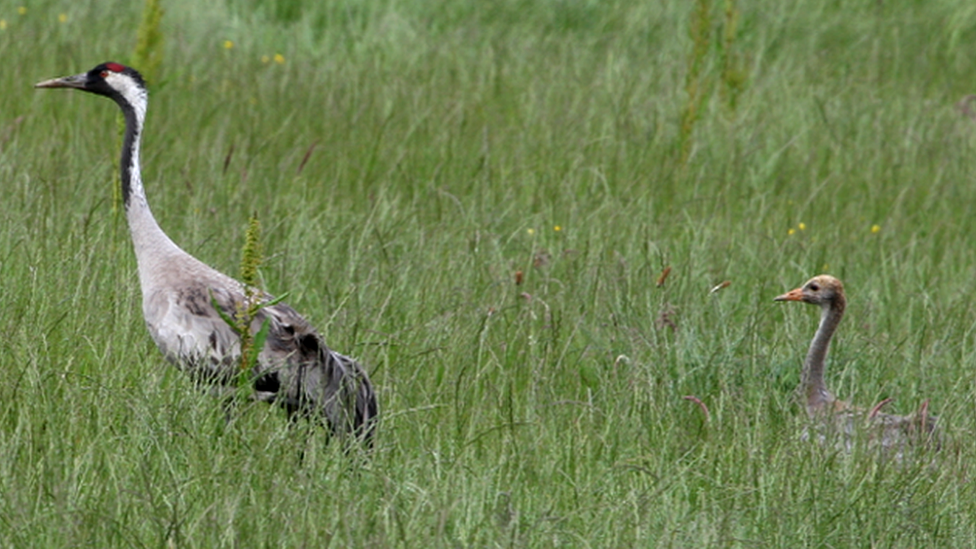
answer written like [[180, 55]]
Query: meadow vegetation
[[477, 199]]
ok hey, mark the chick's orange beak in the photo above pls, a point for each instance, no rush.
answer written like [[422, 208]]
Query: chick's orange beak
[[792, 295]]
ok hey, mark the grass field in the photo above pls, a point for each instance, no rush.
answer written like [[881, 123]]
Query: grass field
[[407, 159]]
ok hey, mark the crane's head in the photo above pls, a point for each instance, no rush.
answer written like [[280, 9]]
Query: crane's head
[[123, 84], [823, 290]]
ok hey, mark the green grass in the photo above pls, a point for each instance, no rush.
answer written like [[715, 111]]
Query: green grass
[[447, 141]]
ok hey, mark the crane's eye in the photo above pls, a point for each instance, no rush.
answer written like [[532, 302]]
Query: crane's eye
[[104, 74]]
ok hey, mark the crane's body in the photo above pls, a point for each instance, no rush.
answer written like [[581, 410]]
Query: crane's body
[[294, 368]]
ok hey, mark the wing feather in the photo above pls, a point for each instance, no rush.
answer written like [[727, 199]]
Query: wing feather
[[295, 368]]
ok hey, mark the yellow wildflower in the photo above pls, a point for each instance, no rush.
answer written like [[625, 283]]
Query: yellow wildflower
[[22, 10], [228, 44], [875, 229], [265, 59], [279, 59], [557, 228], [802, 226], [3, 24], [530, 231], [791, 232], [63, 17]]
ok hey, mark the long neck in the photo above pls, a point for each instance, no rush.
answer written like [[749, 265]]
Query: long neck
[[813, 385], [152, 247]]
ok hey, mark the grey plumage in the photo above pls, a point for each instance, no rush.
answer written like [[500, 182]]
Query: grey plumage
[[295, 368]]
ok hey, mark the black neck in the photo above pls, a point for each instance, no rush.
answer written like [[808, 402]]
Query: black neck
[[130, 146]]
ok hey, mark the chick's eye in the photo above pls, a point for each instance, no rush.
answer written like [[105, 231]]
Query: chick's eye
[[814, 287]]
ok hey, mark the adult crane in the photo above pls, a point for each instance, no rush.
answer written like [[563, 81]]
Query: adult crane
[[181, 296]]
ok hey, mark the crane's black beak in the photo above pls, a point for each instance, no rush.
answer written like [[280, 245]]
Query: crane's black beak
[[78, 81]]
